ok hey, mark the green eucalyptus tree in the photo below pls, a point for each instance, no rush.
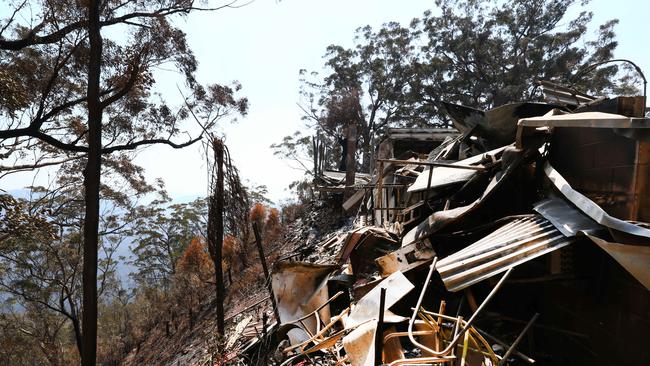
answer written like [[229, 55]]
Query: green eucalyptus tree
[[475, 52]]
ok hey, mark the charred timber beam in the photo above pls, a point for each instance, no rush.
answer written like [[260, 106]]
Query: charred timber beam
[[432, 163]]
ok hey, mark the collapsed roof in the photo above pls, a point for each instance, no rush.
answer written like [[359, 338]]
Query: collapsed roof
[[549, 190]]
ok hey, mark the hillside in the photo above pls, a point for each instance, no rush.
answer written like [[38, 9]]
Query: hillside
[[247, 299]]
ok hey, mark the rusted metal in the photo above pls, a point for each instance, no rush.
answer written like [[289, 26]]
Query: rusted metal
[[300, 290], [404, 259], [634, 258], [359, 344], [426, 134], [497, 126], [457, 335], [319, 336], [397, 286], [463, 215], [449, 173], [440, 219]]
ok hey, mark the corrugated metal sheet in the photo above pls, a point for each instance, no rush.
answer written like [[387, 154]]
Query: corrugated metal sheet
[[514, 243], [559, 118], [565, 217], [554, 93]]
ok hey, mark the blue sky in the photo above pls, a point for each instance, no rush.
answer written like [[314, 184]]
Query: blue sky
[[265, 44]]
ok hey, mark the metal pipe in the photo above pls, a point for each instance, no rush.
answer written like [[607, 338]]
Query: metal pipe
[[459, 322], [429, 180], [465, 347], [319, 334], [484, 333], [441, 310], [592, 67], [421, 360], [504, 344], [467, 324], [519, 338]]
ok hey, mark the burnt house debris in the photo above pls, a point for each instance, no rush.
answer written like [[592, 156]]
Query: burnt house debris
[[519, 237]]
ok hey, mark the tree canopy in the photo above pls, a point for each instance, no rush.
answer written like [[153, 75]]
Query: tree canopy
[[79, 83], [474, 52]]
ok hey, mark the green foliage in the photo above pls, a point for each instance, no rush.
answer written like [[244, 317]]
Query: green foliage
[[162, 231], [44, 77], [479, 53], [486, 54], [45, 113], [16, 220], [41, 261], [257, 193], [295, 148]]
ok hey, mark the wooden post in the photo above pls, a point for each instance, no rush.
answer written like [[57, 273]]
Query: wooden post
[[519, 338], [267, 278]]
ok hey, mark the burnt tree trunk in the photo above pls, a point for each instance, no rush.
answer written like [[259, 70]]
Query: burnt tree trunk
[[91, 186], [243, 254], [343, 141], [267, 276], [76, 327], [366, 151], [350, 159], [215, 231]]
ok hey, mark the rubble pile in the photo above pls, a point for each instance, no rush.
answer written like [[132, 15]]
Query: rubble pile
[[319, 223], [520, 237]]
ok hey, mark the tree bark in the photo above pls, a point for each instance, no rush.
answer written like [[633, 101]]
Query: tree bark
[[77, 335], [350, 159], [92, 175], [215, 232], [267, 276], [243, 254], [343, 142], [366, 151]]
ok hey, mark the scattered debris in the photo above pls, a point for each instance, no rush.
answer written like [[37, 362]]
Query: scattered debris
[[518, 190]]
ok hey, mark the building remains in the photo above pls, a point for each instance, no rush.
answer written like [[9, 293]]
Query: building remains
[[519, 237]]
